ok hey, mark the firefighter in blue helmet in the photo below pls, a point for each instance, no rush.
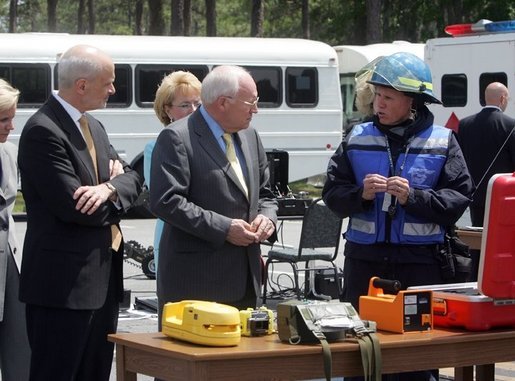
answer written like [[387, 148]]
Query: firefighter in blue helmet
[[401, 180]]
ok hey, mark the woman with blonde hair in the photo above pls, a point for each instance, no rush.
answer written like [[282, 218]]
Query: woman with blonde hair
[[14, 345], [178, 96]]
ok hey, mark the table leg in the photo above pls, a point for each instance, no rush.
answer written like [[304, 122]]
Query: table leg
[[485, 372], [465, 373], [121, 373]]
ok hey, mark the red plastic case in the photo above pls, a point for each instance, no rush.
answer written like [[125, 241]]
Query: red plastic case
[[490, 302]]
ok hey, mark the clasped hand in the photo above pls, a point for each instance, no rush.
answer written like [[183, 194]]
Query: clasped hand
[[241, 233], [90, 197], [396, 186]]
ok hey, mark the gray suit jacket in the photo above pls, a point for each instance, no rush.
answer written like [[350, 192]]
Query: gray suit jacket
[[8, 189], [196, 192]]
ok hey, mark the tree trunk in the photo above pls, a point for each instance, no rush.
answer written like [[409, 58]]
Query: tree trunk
[[256, 18], [156, 23], [211, 18], [177, 24], [33, 10], [138, 18], [13, 15], [91, 16], [374, 21], [305, 19], [81, 29], [187, 17], [52, 15]]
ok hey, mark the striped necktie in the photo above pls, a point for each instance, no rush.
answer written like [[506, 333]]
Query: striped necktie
[[116, 234], [230, 152]]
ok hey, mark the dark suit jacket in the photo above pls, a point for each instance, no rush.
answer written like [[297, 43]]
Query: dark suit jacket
[[480, 137], [196, 192], [67, 258]]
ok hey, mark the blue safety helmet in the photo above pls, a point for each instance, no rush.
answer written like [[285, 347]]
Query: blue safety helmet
[[407, 73]]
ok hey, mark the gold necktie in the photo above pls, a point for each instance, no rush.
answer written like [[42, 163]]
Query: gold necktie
[[230, 152], [116, 234], [86, 132]]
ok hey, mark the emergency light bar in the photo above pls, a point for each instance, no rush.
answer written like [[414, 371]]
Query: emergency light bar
[[480, 27]]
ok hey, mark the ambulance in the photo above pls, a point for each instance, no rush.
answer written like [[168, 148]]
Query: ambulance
[[463, 64]]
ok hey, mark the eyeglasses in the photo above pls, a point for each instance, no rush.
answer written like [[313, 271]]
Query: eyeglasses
[[250, 104], [188, 105]]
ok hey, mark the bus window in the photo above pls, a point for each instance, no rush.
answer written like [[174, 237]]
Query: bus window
[[301, 87], [33, 81], [148, 78], [487, 78], [268, 81], [123, 86], [454, 90]]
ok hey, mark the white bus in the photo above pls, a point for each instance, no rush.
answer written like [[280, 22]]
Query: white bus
[[300, 108], [351, 58], [463, 65]]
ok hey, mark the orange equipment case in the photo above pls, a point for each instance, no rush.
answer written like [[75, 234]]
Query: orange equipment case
[[406, 311], [490, 302]]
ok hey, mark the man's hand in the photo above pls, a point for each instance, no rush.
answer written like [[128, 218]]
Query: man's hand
[[240, 233], [372, 184], [263, 227], [398, 187], [89, 198]]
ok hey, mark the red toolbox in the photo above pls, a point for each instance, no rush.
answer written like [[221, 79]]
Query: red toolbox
[[489, 302]]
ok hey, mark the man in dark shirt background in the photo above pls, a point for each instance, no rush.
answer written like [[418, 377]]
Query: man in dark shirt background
[[482, 136]]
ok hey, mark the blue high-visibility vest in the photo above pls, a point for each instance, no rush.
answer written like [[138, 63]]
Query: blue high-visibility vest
[[426, 155]]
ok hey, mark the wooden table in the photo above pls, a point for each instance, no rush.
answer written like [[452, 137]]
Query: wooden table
[[471, 237], [266, 358]]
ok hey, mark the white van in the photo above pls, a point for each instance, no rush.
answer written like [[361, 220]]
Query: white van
[[300, 107], [351, 58], [462, 67]]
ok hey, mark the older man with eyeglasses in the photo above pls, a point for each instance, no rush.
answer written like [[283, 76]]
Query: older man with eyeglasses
[[212, 190]]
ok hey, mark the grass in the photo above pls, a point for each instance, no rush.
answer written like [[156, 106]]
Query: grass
[[19, 204], [304, 186], [314, 191]]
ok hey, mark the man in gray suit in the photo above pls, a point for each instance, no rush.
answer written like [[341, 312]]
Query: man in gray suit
[[14, 345], [210, 247]]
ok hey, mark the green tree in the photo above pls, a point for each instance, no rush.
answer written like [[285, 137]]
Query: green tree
[[156, 25]]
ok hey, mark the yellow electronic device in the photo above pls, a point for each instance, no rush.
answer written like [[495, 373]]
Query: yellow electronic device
[[258, 322], [202, 322], [406, 311]]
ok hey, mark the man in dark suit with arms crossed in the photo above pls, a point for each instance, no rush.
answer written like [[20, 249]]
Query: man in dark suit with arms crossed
[[214, 222], [75, 188], [481, 137]]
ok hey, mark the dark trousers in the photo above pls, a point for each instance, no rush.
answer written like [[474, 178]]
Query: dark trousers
[[14, 345], [476, 218], [72, 345]]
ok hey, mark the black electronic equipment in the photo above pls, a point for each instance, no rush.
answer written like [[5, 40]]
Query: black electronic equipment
[[289, 203], [278, 165]]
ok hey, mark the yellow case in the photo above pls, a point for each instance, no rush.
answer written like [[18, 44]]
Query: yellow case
[[201, 322]]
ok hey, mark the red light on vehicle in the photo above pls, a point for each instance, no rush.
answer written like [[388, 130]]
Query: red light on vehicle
[[328, 146], [458, 29], [464, 29]]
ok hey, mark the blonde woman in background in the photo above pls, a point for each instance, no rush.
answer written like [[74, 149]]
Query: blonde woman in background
[[178, 96], [14, 345]]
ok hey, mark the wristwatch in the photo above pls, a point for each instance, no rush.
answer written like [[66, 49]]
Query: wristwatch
[[112, 189]]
